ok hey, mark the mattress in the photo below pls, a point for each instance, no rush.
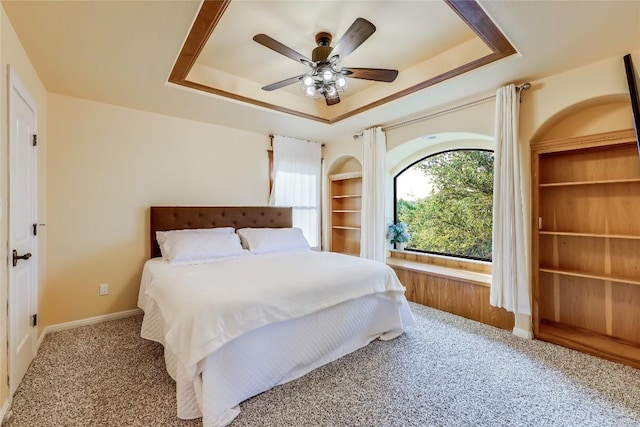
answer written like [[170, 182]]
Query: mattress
[[270, 354]]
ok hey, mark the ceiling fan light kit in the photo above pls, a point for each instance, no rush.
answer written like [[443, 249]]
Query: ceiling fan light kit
[[325, 80]]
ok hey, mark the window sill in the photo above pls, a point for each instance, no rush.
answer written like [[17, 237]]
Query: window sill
[[475, 272]]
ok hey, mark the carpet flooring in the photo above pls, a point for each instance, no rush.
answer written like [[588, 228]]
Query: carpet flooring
[[445, 371]]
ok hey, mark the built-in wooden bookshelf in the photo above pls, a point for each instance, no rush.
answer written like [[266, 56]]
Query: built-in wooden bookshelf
[[346, 208], [586, 244]]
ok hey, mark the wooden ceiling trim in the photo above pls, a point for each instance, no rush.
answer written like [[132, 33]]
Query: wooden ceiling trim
[[208, 17], [231, 95], [422, 85], [475, 17], [211, 12]]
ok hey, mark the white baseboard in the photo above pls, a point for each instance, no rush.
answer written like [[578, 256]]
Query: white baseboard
[[4, 411], [523, 333], [85, 322]]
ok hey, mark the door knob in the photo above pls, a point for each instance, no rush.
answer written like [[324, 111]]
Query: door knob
[[16, 257]]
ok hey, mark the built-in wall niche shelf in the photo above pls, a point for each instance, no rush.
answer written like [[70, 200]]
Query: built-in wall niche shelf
[[344, 227], [586, 244], [346, 210], [346, 196]]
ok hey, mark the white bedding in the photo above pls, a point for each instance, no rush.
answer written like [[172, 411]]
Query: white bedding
[[259, 322]]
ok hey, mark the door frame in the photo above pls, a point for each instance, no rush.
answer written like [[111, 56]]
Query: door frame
[[18, 89]]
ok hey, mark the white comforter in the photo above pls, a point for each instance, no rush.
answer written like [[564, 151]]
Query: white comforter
[[203, 315], [196, 310]]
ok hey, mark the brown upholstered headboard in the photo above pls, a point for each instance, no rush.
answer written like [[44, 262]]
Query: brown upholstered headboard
[[163, 218]]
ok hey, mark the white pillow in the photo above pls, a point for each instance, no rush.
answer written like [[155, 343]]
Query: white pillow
[[198, 248], [265, 240], [161, 236]]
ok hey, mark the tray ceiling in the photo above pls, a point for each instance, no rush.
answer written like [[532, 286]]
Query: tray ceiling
[[427, 42]]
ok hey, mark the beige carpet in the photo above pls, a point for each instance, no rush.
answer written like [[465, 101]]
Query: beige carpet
[[446, 371]]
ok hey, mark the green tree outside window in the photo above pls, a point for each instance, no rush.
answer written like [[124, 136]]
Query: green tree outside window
[[453, 213]]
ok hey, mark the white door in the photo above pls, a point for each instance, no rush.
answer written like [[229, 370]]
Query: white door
[[22, 240]]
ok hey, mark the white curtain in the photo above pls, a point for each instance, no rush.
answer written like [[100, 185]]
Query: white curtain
[[373, 244], [510, 270], [296, 183]]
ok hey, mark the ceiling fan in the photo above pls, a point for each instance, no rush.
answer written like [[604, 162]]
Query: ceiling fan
[[325, 80]]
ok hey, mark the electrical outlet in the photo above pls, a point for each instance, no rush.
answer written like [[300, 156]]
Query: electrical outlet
[[104, 289]]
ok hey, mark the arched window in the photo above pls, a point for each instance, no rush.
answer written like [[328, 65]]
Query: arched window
[[446, 200]]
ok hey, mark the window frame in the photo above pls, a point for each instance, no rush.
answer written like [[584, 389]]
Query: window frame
[[395, 203]]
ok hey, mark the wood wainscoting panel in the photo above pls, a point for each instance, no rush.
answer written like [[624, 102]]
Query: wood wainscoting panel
[[459, 298], [453, 295], [496, 316]]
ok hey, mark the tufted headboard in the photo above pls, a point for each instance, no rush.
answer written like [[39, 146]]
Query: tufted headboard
[[163, 218]]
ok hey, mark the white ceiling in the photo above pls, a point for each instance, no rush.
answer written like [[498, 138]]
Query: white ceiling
[[233, 62], [232, 50], [121, 52]]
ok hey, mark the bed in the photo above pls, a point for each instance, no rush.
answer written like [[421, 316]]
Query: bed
[[238, 325]]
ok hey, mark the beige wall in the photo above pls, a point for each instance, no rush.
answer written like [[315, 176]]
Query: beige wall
[[106, 166], [12, 54], [588, 120], [553, 98]]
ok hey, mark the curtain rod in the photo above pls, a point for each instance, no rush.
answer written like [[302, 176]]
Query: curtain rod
[[271, 140], [519, 88]]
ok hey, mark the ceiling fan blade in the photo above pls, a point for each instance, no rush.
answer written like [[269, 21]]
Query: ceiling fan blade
[[272, 44], [358, 32], [283, 83], [332, 100], [377, 74]]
